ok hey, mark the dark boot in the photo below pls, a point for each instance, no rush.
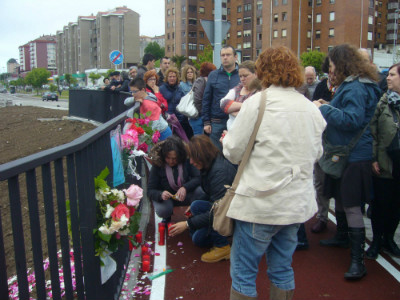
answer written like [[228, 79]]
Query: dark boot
[[390, 246], [341, 238], [276, 293], [302, 241], [374, 248], [357, 268], [239, 296]]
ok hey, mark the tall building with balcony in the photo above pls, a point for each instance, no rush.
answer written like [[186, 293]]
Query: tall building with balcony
[[39, 53], [87, 43], [299, 25]]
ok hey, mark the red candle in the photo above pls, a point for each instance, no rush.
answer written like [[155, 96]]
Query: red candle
[[161, 231], [146, 266], [138, 237], [146, 257], [161, 225], [145, 250], [169, 226]]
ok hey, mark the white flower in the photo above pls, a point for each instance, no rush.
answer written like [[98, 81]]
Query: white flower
[[106, 230], [101, 194], [110, 209], [124, 232], [117, 225], [119, 195]]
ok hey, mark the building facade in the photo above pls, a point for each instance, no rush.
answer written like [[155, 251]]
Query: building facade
[[145, 40], [39, 53], [87, 43], [300, 25]]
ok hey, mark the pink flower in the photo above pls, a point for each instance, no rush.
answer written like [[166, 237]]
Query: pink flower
[[156, 137], [129, 141], [119, 211], [133, 194], [144, 147], [147, 120], [141, 121]]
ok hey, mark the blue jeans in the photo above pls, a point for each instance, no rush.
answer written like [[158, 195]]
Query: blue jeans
[[205, 236], [250, 242], [197, 125], [216, 131]]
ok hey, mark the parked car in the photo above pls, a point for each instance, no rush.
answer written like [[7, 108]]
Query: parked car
[[49, 96], [3, 90]]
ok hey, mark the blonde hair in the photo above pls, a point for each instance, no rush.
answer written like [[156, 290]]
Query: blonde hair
[[185, 70]]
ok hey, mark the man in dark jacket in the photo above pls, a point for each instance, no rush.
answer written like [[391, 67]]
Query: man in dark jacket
[[148, 64], [218, 85]]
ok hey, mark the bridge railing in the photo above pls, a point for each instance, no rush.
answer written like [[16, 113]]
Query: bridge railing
[[49, 200]]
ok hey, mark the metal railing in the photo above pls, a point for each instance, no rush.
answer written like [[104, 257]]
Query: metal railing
[[66, 175]]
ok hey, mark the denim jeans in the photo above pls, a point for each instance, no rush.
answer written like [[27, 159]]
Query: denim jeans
[[216, 131], [250, 242], [197, 125], [206, 236]]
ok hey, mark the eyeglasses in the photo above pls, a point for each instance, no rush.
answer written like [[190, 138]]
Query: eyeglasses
[[153, 79], [134, 92]]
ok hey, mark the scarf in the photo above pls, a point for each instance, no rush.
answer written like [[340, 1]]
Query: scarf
[[170, 177], [393, 99]]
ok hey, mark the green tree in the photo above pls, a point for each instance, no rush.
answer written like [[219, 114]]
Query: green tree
[[37, 77], [93, 77], [155, 49], [313, 58], [20, 82], [205, 56], [178, 60], [69, 79]]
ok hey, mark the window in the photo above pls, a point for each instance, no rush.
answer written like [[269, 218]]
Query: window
[[183, 46], [173, 24], [318, 18], [201, 10], [201, 34], [276, 2], [259, 5], [318, 2], [331, 32], [259, 36], [228, 35], [276, 18], [192, 46], [192, 34], [332, 16], [168, 36], [183, 33], [259, 21], [246, 57], [168, 12], [371, 3], [173, 11], [239, 46], [246, 45], [228, 11], [239, 34], [317, 34], [168, 25], [169, 48], [371, 20], [183, 8], [318, 49], [309, 18], [192, 8], [239, 21], [284, 32], [284, 2], [239, 9], [247, 20], [247, 7], [284, 16], [369, 35], [331, 2], [309, 34], [247, 33], [275, 33], [173, 35], [201, 47], [183, 21], [330, 48], [192, 21]]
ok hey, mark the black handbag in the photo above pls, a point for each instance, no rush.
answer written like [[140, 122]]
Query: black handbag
[[393, 150], [335, 157]]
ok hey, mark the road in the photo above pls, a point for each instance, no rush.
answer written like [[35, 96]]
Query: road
[[30, 100]]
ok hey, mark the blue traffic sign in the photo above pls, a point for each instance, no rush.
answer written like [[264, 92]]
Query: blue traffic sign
[[116, 57]]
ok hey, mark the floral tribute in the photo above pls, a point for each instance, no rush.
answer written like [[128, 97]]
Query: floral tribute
[[117, 218], [139, 135]]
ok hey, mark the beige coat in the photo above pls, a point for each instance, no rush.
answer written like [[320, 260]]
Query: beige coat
[[276, 186]]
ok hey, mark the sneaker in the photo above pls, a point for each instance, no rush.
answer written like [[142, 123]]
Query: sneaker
[[319, 226], [216, 254]]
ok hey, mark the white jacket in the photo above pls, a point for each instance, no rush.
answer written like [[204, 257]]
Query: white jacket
[[276, 186]]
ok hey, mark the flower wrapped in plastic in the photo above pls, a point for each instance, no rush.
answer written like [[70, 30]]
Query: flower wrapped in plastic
[[117, 215]]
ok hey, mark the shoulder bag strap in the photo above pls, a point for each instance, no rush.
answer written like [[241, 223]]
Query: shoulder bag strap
[[355, 139], [251, 141]]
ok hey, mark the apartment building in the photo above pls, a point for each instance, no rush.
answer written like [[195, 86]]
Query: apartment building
[[39, 53], [145, 40], [300, 25], [87, 43]]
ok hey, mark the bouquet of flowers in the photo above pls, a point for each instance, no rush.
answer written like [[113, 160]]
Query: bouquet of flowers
[[117, 218], [138, 138]]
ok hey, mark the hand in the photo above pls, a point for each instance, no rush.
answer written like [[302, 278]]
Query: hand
[[375, 168], [207, 129], [166, 195], [177, 228], [181, 194], [322, 101], [188, 213], [317, 103], [112, 88], [223, 135], [155, 88]]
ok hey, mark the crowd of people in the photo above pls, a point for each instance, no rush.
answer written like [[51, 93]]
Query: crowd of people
[[282, 185]]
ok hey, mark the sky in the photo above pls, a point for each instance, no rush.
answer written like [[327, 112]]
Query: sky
[[24, 20]]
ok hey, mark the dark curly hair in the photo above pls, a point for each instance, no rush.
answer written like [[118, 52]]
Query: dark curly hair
[[279, 66], [348, 61], [173, 143]]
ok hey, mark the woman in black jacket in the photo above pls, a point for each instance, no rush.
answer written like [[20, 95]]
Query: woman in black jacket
[[173, 181], [216, 172]]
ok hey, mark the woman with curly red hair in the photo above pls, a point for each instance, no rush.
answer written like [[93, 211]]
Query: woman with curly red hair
[[276, 191]]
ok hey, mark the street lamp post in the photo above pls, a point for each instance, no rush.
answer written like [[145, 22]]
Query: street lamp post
[[396, 16]]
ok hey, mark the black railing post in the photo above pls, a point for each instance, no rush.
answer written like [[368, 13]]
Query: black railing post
[[3, 269]]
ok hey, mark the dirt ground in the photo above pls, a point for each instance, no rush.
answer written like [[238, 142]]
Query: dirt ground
[[23, 133]]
